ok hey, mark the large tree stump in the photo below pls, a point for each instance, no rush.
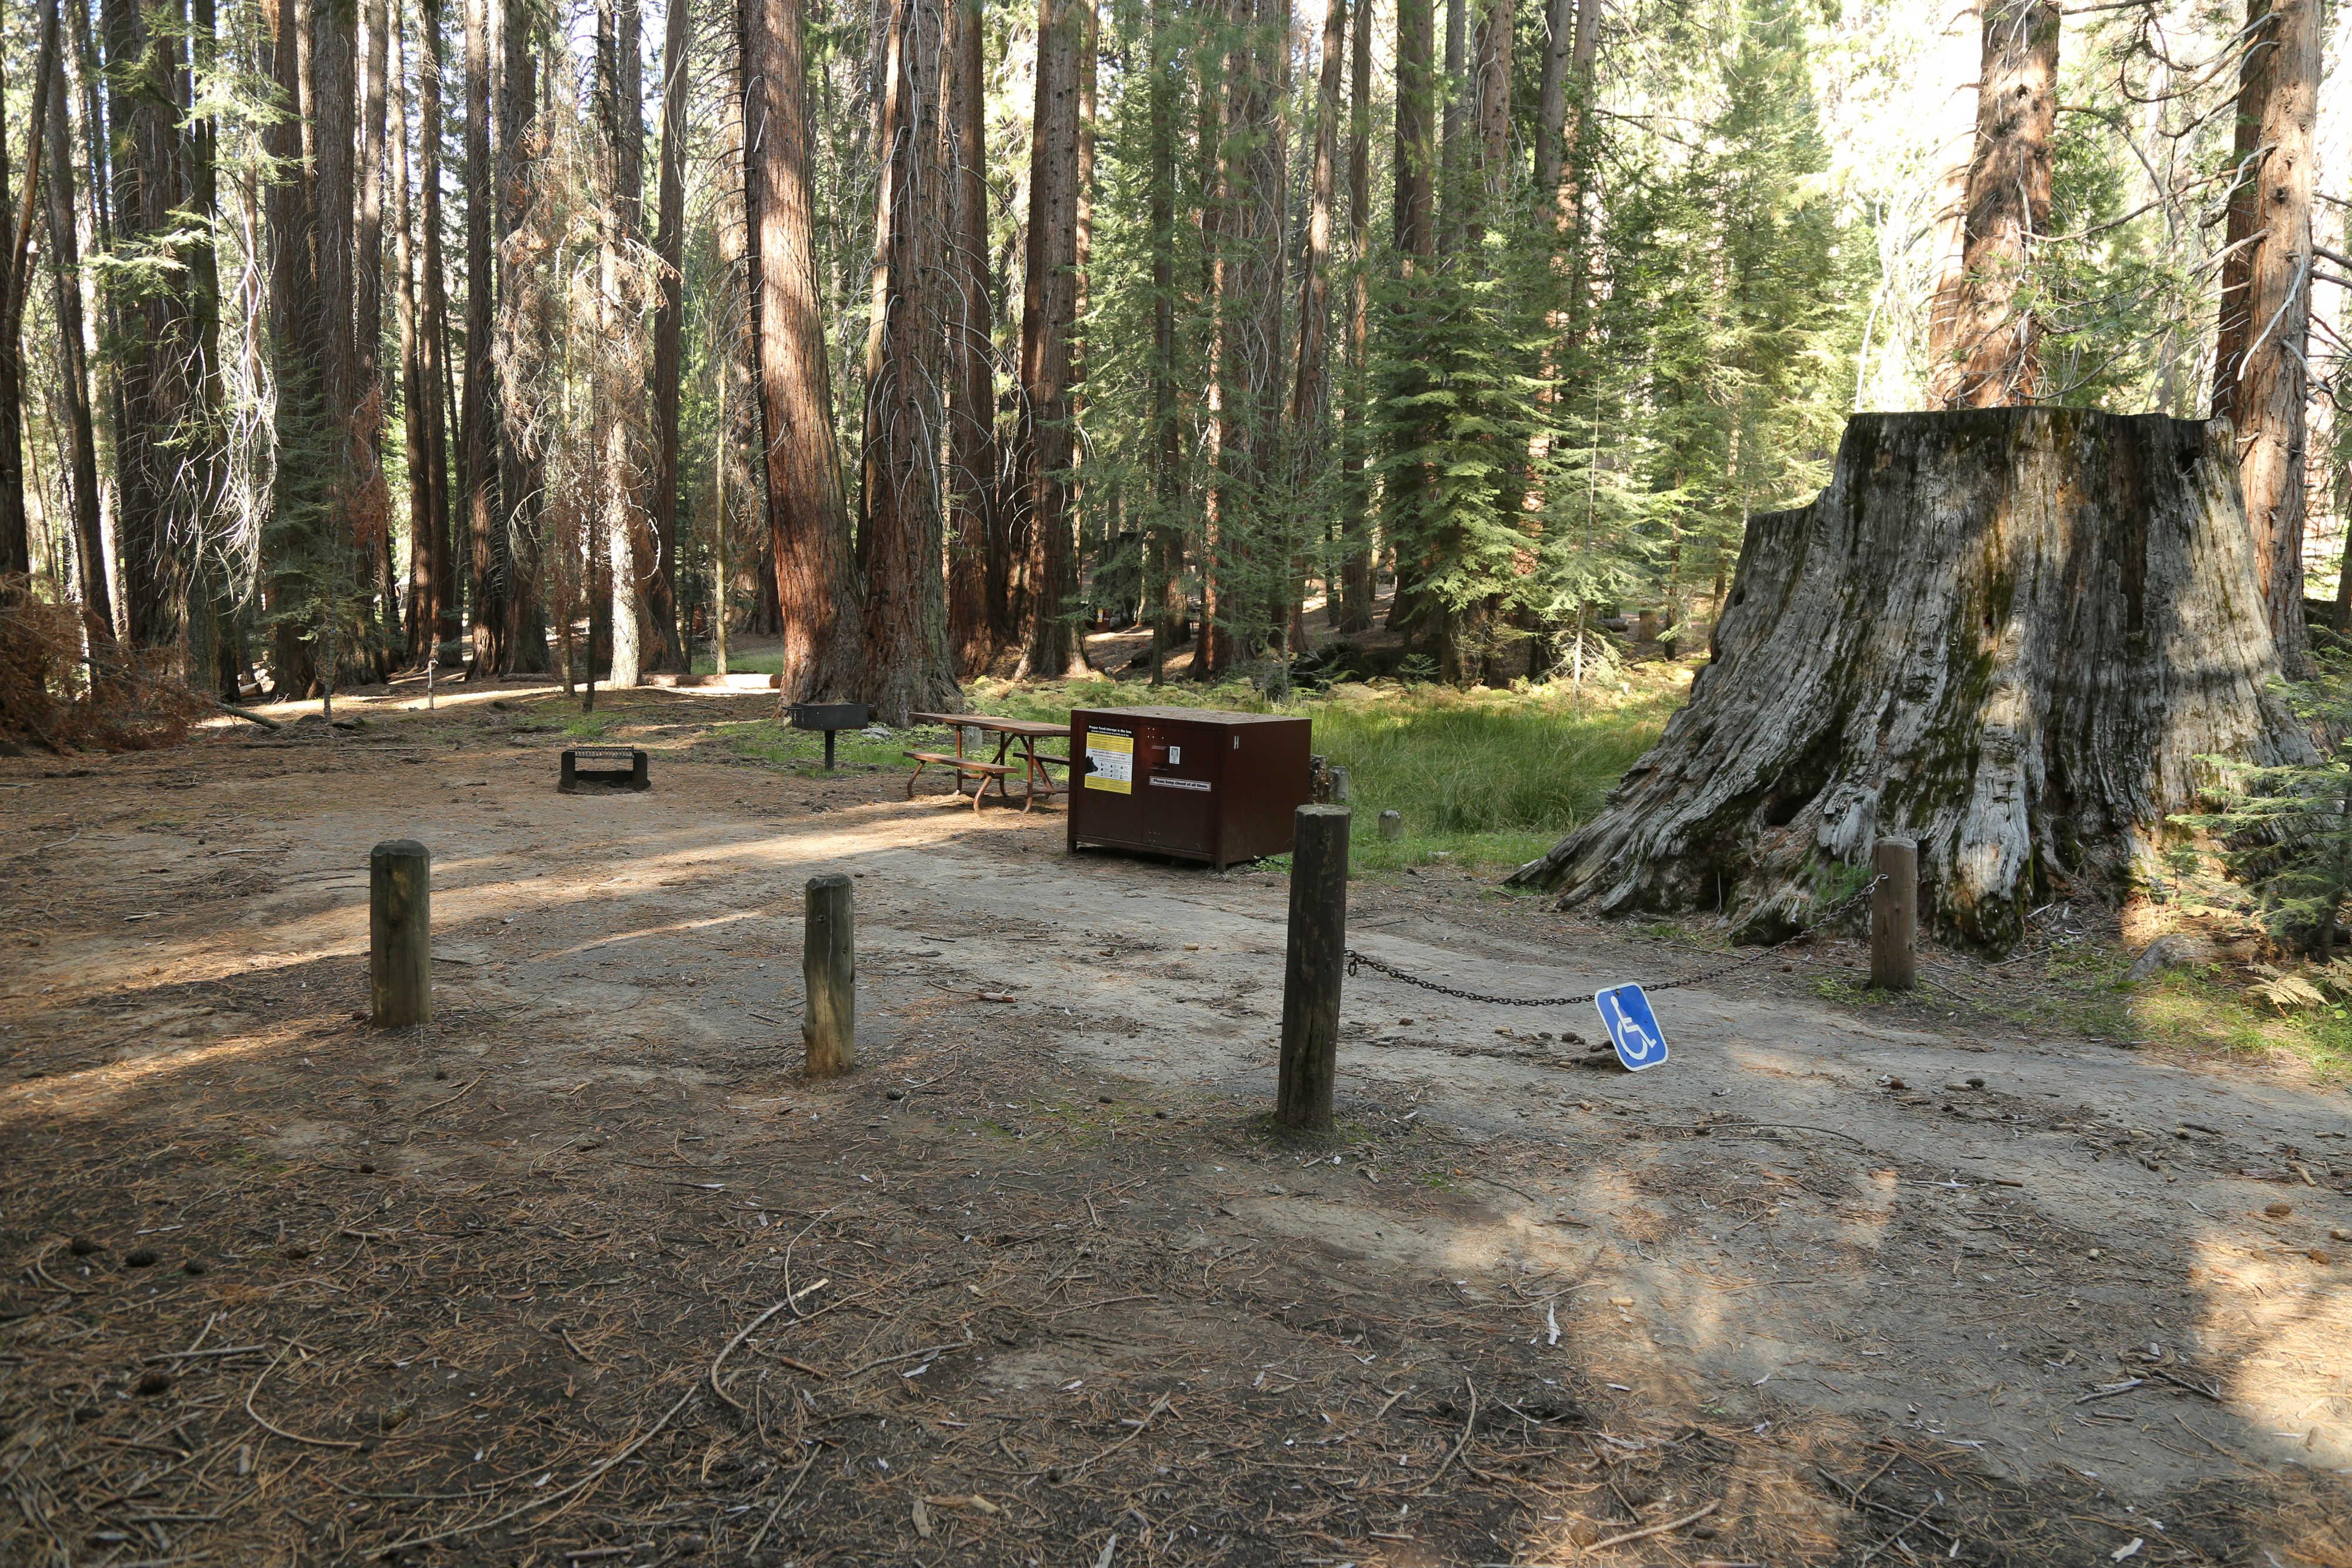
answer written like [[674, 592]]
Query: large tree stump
[[2007, 634]]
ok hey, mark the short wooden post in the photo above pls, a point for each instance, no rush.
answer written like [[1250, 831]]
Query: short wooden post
[[1894, 916], [400, 934], [1338, 786], [1392, 826], [1310, 984], [829, 974]]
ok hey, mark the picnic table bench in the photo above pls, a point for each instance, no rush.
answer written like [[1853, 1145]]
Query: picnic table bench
[[1032, 763]]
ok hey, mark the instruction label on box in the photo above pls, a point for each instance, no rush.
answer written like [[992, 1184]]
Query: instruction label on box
[[1110, 761]]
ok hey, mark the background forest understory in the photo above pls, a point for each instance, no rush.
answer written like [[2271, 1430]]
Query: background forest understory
[[559, 338]]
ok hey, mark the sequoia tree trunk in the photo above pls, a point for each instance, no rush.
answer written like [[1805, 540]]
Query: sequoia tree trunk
[[1163, 599], [1493, 106], [1048, 319], [2261, 372], [1309, 392], [73, 371], [521, 466], [2010, 635], [1415, 211], [1985, 350], [16, 285], [417, 627], [971, 487], [626, 538], [433, 326], [808, 517], [1356, 486], [151, 354], [667, 652], [906, 666], [478, 478]]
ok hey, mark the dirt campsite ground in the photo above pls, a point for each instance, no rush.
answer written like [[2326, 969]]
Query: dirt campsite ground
[[586, 1273]]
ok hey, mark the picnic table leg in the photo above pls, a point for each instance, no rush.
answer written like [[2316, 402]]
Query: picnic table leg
[[1003, 744], [1029, 790]]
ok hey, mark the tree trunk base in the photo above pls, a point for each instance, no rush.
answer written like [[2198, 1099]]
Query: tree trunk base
[[2010, 635]]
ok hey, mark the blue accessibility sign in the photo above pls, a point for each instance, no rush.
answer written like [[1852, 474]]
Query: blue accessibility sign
[[1632, 1027]]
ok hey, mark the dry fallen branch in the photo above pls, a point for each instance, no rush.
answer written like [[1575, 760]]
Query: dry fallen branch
[[1456, 1452], [1649, 1530], [748, 1329], [439, 1105], [268, 1425], [1084, 1466], [536, 1504]]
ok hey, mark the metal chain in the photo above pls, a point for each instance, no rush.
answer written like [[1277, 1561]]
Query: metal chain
[[1365, 961]]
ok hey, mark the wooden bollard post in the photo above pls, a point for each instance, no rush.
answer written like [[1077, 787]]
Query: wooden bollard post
[[1392, 826], [1894, 916], [400, 934], [829, 974], [1310, 982]]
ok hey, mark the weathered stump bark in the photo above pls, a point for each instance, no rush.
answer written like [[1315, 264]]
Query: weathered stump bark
[[2008, 634]]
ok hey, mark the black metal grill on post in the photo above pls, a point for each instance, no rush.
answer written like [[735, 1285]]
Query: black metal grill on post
[[829, 718]]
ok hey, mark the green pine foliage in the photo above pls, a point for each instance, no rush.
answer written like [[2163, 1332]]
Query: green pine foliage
[[1462, 408], [2286, 830], [1734, 286]]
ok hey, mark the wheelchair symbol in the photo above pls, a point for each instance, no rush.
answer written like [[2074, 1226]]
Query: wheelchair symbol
[[1632, 1027]]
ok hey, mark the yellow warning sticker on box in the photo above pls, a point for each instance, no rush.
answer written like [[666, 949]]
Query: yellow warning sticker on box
[[1110, 761]]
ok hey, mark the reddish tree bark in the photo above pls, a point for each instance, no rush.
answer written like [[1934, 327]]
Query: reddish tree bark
[[1985, 351], [477, 436], [1164, 558], [1454, 146], [660, 577], [417, 626], [1250, 592], [153, 352], [1416, 143], [433, 325], [907, 667], [2261, 376], [1355, 605], [15, 287], [972, 448], [73, 369], [522, 631], [370, 500], [808, 518], [1048, 314], [1492, 89], [1415, 204], [1309, 388]]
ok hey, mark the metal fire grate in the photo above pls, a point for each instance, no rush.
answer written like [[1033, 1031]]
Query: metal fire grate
[[594, 769]]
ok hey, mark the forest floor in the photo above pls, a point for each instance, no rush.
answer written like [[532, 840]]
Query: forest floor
[[586, 1272]]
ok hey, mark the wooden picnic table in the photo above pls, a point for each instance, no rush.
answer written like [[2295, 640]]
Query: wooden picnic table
[[1026, 732]]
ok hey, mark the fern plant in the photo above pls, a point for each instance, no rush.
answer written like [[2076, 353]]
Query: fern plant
[[2286, 829]]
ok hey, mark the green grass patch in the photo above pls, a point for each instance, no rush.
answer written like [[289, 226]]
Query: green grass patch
[[741, 664], [2205, 1009], [2082, 990], [773, 740], [1482, 779]]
